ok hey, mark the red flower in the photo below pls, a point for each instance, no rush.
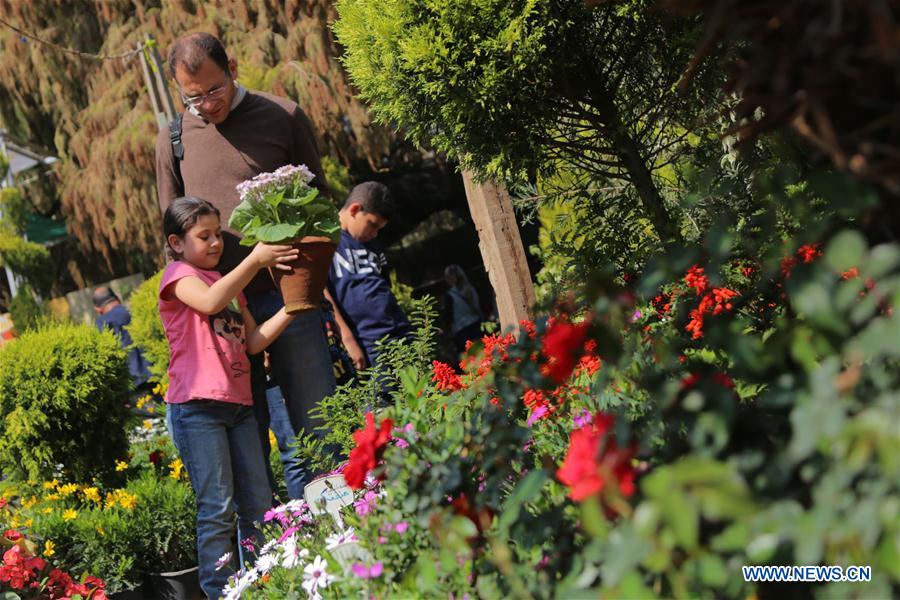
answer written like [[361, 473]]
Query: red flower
[[590, 364], [715, 302], [445, 378], [563, 346], [12, 535], [370, 445], [155, 457], [809, 252], [695, 325], [595, 460], [850, 273], [662, 304], [696, 279], [528, 327]]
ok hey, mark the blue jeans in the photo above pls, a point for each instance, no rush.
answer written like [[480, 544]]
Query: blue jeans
[[301, 366], [219, 445], [280, 424]]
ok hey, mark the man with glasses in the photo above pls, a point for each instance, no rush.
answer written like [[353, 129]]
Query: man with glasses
[[230, 134]]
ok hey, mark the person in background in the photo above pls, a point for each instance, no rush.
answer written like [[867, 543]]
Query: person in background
[[112, 315], [461, 310], [358, 279]]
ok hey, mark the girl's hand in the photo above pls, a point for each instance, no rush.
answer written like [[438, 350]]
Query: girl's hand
[[266, 255]]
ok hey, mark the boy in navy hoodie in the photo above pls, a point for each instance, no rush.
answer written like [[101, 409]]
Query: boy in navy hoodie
[[358, 280]]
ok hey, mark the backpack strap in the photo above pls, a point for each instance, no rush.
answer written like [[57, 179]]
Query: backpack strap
[[177, 146]]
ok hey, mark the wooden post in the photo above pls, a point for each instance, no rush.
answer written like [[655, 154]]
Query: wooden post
[[162, 84], [501, 249], [161, 120]]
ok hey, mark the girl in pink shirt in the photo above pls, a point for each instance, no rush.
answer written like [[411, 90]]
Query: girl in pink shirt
[[210, 331]]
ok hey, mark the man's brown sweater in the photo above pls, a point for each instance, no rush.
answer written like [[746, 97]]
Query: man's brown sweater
[[259, 135]]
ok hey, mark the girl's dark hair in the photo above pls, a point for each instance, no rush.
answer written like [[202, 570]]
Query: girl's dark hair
[[183, 214]]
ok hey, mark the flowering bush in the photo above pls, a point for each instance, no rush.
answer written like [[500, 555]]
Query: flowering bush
[[735, 408], [27, 571], [118, 533], [281, 206]]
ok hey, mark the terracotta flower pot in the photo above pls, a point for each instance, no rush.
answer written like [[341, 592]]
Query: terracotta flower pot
[[302, 286]]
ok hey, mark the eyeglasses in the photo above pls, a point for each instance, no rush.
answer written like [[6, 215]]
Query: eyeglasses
[[213, 94]]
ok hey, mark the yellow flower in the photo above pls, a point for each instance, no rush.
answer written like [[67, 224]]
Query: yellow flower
[[70, 514], [49, 485], [91, 493], [49, 548], [160, 389], [148, 424], [121, 465], [100, 531], [14, 522], [128, 501], [142, 401], [52, 497], [176, 466], [122, 498], [272, 441], [30, 502], [29, 523], [47, 510], [69, 488]]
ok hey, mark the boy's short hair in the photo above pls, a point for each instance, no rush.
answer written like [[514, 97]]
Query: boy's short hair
[[373, 197]]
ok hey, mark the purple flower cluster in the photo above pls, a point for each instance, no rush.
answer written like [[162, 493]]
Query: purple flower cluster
[[282, 177]]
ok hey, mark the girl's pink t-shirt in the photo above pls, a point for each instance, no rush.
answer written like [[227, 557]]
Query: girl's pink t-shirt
[[208, 353]]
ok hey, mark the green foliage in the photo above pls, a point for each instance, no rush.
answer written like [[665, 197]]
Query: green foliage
[[403, 293], [14, 208], [146, 327], [27, 259], [283, 207], [63, 390], [26, 312], [165, 519], [521, 90], [338, 177], [341, 413], [105, 139], [121, 534]]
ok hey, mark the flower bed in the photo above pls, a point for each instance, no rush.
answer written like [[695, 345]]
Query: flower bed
[[649, 447]]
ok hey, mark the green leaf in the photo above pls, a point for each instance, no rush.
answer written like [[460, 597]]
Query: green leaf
[[846, 249], [525, 491], [278, 232]]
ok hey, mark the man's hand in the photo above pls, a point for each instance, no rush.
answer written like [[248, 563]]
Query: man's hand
[[355, 351]]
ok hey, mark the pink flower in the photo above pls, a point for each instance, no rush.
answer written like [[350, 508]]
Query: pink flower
[[401, 527], [366, 504], [538, 413], [364, 572]]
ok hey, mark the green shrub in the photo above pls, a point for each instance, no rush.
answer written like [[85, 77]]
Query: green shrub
[[165, 522], [146, 327], [63, 390], [25, 310], [31, 261]]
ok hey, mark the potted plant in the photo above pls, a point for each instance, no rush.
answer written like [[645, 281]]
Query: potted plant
[[282, 208], [164, 522]]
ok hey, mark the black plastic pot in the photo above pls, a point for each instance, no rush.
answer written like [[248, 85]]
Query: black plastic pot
[[176, 585]]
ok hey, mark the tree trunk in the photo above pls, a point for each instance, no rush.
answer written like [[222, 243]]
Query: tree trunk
[[628, 152]]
